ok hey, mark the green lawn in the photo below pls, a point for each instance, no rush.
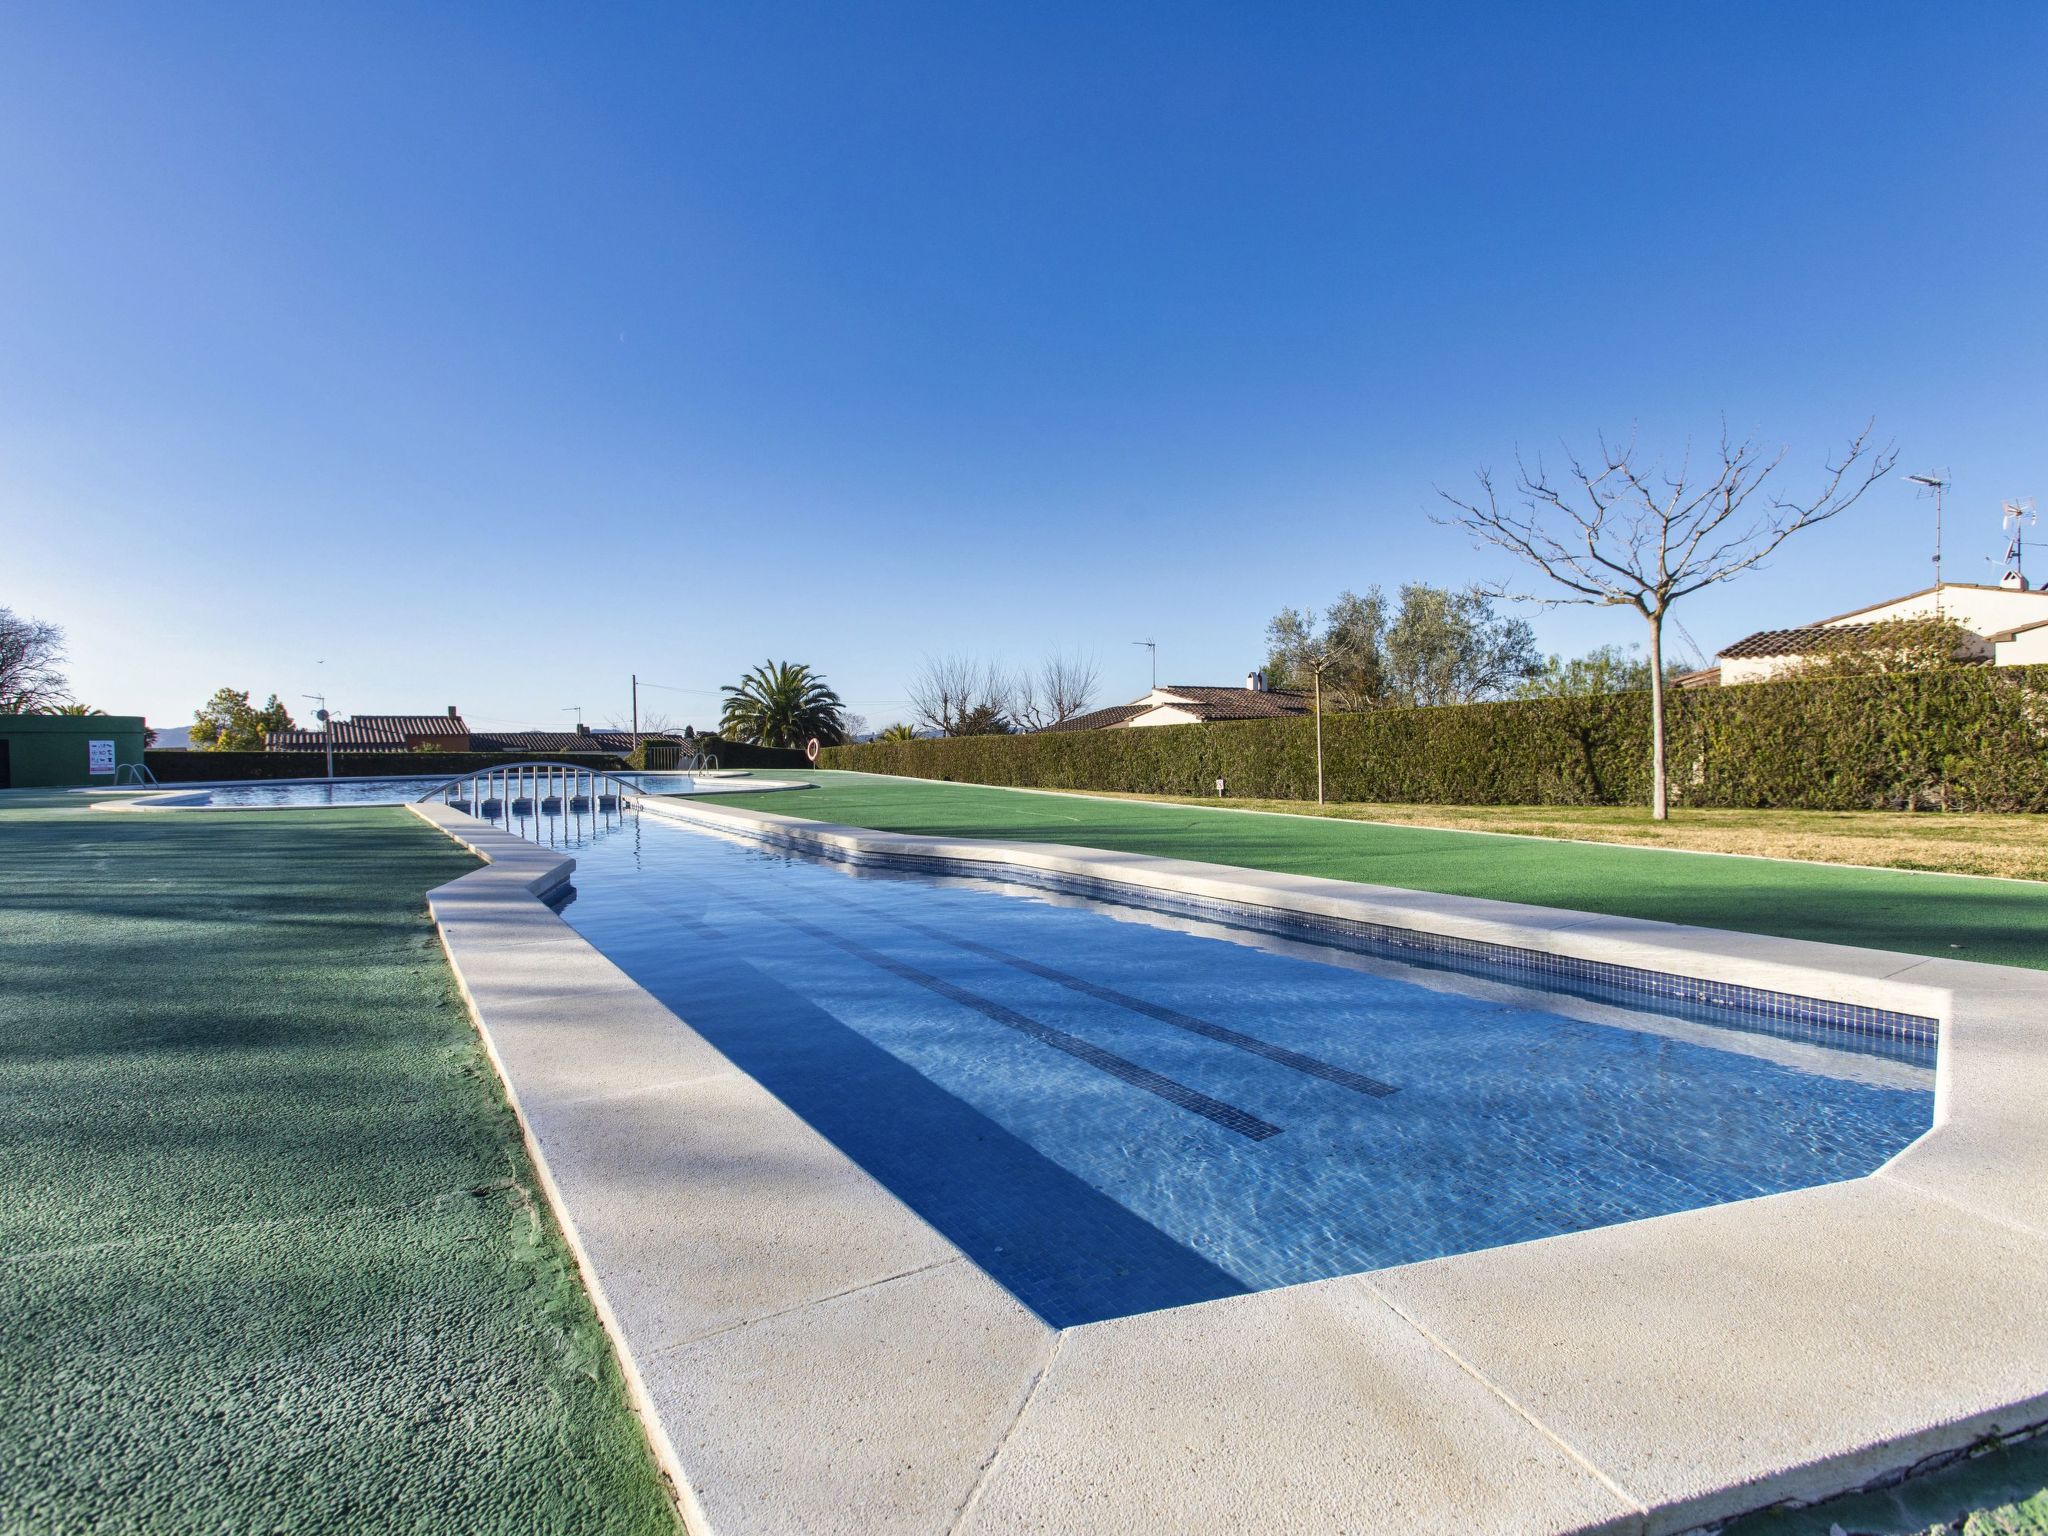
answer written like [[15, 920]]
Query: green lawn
[[271, 1256], [2001, 921]]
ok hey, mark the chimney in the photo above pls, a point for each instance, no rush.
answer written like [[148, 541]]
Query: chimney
[[452, 713], [582, 729], [1255, 681]]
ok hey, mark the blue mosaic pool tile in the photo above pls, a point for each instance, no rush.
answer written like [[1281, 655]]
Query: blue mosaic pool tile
[[1901, 1036]]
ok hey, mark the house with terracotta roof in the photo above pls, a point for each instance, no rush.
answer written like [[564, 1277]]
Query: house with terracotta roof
[[379, 733], [1189, 704], [2003, 626], [449, 733], [584, 738]]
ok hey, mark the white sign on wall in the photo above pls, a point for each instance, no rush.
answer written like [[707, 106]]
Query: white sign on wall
[[99, 757]]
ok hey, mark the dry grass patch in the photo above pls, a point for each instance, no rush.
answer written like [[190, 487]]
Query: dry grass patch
[[2014, 847]]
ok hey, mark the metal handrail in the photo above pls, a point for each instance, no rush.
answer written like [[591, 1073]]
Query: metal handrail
[[687, 762], [141, 772]]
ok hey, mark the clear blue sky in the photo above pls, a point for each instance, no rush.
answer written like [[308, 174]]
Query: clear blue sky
[[486, 354]]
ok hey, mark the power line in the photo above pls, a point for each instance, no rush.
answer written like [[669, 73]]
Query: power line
[[672, 688]]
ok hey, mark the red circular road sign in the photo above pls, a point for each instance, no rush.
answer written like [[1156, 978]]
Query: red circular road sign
[[811, 749]]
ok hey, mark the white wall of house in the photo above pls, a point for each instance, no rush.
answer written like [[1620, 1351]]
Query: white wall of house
[[1983, 610], [1986, 610], [1165, 714], [1757, 669], [2028, 648]]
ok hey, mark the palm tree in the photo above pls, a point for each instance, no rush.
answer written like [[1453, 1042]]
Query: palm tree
[[76, 709], [781, 704], [898, 733]]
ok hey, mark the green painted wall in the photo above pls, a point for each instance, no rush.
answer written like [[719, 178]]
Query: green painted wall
[[45, 750]]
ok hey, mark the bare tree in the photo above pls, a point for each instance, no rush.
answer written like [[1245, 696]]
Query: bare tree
[[960, 696], [653, 722], [1621, 535], [1062, 688], [1315, 652], [31, 665]]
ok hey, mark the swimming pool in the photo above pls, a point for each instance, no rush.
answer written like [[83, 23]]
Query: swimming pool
[[1112, 1109], [401, 790]]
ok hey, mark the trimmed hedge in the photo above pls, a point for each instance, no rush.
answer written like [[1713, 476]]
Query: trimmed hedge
[[1961, 739], [184, 767]]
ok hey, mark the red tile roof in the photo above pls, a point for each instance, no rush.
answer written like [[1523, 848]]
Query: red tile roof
[[1096, 720], [543, 742], [411, 725], [1201, 701], [1239, 703], [395, 733], [1807, 640], [372, 733]]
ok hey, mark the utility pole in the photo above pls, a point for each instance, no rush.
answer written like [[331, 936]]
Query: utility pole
[[636, 711]]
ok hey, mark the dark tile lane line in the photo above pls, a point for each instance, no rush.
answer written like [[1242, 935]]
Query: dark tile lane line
[[1313, 1066], [1229, 1116]]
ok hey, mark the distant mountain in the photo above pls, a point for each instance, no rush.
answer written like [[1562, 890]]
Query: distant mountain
[[169, 736]]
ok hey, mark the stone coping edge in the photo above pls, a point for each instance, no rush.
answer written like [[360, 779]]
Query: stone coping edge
[[512, 863]]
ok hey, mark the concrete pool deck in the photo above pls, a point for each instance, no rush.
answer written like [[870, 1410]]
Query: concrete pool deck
[[811, 1357]]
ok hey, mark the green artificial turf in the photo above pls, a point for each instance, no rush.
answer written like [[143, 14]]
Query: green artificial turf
[[2001, 921], [271, 1256]]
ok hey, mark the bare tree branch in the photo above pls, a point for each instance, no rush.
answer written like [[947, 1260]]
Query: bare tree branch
[[959, 695], [1062, 688], [1638, 538], [31, 666]]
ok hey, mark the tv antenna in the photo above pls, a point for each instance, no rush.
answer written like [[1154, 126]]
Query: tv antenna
[[1934, 485], [576, 710], [1153, 647], [2016, 516], [326, 721]]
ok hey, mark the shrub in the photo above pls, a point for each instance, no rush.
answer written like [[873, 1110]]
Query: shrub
[[655, 754], [1963, 738]]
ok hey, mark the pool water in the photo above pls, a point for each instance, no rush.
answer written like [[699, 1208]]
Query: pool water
[[402, 791], [1111, 1110]]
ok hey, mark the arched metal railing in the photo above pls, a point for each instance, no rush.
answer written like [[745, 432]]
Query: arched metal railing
[[553, 803], [133, 774]]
